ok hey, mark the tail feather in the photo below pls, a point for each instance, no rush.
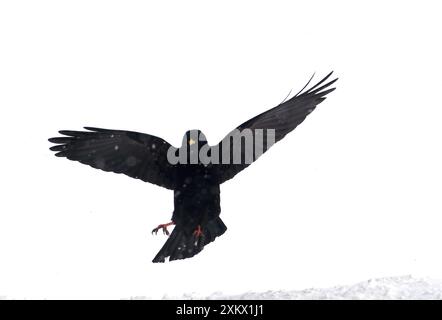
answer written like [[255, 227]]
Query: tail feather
[[181, 245]]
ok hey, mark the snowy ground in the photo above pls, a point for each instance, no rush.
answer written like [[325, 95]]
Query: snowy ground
[[404, 287]]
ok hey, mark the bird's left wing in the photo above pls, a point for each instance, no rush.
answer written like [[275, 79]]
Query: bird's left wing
[[268, 127], [137, 155]]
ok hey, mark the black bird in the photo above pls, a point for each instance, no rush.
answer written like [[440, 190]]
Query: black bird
[[187, 171]]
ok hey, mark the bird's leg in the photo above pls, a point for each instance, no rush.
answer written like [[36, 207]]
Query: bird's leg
[[164, 227], [198, 232]]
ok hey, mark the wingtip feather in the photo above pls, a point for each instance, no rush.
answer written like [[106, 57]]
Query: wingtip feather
[[91, 128], [59, 147], [61, 154]]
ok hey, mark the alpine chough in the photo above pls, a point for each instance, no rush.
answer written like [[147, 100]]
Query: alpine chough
[[195, 170]]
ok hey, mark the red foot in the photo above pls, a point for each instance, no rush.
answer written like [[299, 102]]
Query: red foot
[[164, 227], [198, 232]]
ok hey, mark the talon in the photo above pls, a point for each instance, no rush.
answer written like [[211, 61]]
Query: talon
[[163, 227], [198, 232]]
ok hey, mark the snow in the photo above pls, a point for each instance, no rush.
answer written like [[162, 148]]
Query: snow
[[400, 287]]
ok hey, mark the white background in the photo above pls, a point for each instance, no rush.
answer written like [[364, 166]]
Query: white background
[[353, 193]]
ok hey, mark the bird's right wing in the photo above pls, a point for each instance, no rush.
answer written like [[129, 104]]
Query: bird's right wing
[[137, 155], [272, 126]]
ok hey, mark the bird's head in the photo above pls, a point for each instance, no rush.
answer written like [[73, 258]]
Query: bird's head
[[194, 137], [193, 141]]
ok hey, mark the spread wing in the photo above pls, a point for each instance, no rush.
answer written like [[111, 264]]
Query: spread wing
[[267, 128], [137, 155]]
